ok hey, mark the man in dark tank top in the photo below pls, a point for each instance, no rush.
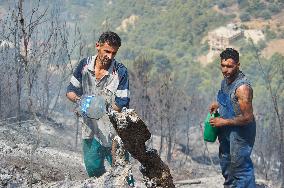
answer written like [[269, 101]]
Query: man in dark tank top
[[236, 124]]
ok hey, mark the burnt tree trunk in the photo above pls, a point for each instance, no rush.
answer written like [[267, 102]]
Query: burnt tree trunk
[[134, 133]]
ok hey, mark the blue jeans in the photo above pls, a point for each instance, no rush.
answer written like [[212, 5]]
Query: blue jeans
[[235, 161], [236, 144]]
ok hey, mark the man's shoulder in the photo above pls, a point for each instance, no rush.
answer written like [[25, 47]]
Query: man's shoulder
[[83, 63], [120, 68], [243, 86], [243, 81]]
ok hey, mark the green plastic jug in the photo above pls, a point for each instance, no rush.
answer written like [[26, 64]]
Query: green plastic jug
[[210, 133]]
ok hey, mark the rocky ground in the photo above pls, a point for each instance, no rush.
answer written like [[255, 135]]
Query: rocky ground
[[44, 155]]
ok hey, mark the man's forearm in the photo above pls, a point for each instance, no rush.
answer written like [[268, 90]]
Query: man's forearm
[[239, 120], [116, 108]]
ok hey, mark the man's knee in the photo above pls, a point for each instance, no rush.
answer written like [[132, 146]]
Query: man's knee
[[243, 172]]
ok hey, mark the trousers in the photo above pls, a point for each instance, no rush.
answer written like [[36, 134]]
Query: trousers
[[236, 164], [94, 155]]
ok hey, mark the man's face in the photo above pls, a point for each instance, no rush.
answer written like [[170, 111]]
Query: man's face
[[106, 53], [229, 68]]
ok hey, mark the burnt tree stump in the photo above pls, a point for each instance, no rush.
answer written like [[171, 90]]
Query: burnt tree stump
[[134, 133]]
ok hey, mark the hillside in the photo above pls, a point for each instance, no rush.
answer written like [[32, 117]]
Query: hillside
[[58, 165], [161, 43], [172, 29]]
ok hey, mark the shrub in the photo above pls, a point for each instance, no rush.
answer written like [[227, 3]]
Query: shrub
[[245, 17]]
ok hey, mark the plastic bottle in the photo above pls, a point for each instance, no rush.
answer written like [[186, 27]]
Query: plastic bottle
[[210, 133], [93, 106]]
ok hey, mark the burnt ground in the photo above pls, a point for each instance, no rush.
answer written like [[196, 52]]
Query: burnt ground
[[45, 155]]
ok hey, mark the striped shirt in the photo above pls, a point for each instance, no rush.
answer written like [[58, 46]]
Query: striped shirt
[[114, 86], [116, 81]]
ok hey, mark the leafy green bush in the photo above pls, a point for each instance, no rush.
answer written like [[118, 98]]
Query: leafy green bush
[[269, 34], [266, 14], [245, 16], [243, 3], [274, 8]]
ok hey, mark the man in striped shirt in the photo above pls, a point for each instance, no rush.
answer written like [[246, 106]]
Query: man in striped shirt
[[100, 75]]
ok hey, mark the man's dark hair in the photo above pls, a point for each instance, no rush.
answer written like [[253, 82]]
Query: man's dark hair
[[230, 53], [111, 38]]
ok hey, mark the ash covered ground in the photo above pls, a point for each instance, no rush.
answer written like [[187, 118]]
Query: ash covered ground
[[45, 155]]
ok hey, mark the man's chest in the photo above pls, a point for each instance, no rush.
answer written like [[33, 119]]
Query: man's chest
[[94, 82], [100, 74]]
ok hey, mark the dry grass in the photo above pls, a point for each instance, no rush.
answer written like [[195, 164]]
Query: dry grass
[[275, 23], [274, 46]]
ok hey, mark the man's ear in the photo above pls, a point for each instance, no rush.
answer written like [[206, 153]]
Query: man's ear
[[98, 45]]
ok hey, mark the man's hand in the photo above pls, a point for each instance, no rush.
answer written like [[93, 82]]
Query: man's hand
[[218, 122], [213, 107], [72, 96], [116, 108]]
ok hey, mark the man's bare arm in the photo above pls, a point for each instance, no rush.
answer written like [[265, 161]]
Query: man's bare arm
[[244, 94], [115, 107]]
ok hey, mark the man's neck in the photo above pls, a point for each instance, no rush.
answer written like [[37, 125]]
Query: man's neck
[[99, 65], [233, 78]]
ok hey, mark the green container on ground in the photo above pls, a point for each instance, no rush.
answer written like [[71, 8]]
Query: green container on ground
[[210, 133]]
